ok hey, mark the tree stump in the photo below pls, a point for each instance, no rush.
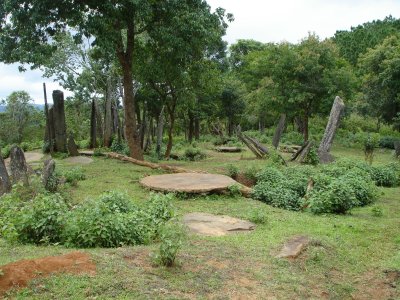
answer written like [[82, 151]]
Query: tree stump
[[72, 148], [5, 184], [333, 124], [278, 131], [18, 166], [47, 173], [60, 130]]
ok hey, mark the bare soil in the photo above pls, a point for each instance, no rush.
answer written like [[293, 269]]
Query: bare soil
[[19, 274]]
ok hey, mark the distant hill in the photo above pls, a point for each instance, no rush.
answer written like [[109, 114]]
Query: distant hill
[[37, 106]]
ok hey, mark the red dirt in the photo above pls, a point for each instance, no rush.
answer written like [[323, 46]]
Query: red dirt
[[19, 274], [241, 178]]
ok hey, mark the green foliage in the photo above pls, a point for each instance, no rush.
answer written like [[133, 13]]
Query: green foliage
[[232, 171], [172, 235], [120, 147], [387, 176], [234, 190], [377, 211], [337, 197], [270, 175], [41, 220], [364, 188], [5, 151], [258, 217], [194, 154], [312, 157], [74, 175], [251, 173], [369, 147]]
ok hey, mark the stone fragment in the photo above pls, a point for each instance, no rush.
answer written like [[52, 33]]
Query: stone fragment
[[47, 174], [293, 247], [5, 184], [72, 148], [18, 165], [213, 225]]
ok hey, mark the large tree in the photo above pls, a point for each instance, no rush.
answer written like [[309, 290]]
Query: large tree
[[27, 30]]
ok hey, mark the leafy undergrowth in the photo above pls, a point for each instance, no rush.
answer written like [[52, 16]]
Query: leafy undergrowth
[[352, 256]]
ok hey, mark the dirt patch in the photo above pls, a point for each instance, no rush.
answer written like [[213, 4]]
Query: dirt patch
[[378, 286], [19, 274], [80, 160], [243, 179]]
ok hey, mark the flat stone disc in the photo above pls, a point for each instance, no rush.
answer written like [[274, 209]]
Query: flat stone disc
[[213, 225], [188, 182]]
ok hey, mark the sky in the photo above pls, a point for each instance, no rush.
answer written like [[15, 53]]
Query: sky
[[262, 20]]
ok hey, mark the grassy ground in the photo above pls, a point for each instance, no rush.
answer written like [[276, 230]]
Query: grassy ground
[[351, 257]]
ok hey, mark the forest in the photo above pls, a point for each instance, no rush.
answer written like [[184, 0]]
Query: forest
[[184, 167]]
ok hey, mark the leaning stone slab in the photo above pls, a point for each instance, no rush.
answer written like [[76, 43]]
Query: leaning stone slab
[[293, 247], [48, 171], [5, 184], [18, 165], [213, 225]]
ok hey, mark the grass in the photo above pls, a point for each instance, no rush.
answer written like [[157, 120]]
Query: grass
[[347, 258]]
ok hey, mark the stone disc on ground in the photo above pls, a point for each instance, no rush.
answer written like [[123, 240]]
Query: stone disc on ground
[[228, 149], [19, 274], [213, 225], [188, 182], [82, 160]]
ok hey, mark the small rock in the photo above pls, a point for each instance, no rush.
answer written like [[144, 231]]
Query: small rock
[[5, 184], [48, 170], [294, 247], [72, 148]]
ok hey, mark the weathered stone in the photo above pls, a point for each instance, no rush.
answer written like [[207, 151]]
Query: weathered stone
[[278, 131], [72, 148], [188, 182], [229, 149], [397, 149], [60, 129], [47, 174], [5, 184], [212, 225], [18, 165], [293, 247], [333, 124]]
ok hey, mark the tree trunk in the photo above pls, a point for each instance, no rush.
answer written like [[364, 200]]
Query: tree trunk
[[333, 124], [99, 123], [191, 127], [279, 131], [171, 113], [160, 129], [305, 128], [131, 134], [196, 128], [93, 130], [108, 124], [60, 130]]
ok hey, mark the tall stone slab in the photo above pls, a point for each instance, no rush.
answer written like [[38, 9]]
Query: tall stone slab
[[60, 128], [5, 184], [278, 131], [333, 124], [18, 165]]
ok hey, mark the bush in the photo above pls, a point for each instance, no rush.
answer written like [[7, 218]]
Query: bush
[[232, 171], [251, 173], [312, 157], [338, 197], [277, 196], [5, 152], [270, 175], [387, 142], [171, 236], [120, 147], [25, 146], [74, 175], [41, 220], [387, 176], [194, 154], [364, 188]]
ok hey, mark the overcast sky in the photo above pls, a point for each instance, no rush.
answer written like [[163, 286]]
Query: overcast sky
[[262, 20]]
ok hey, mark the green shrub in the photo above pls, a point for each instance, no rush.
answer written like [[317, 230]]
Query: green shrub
[[234, 190], [84, 144], [338, 197], [312, 157], [386, 176], [270, 175], [364, 188], [387, 142], [41, 220], [251, 173], [293, 137], [258, 217], [194, 154], [172, 236], [232, 171], [25, 146], [74, 175], [277, 196], [5, 151]]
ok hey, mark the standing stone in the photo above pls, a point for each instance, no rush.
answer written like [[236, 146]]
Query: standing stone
[[72, 148], [60, 130], [397, 149], [47, 174], [278, 131], [18, 166], [333, 124], [5, 184]]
